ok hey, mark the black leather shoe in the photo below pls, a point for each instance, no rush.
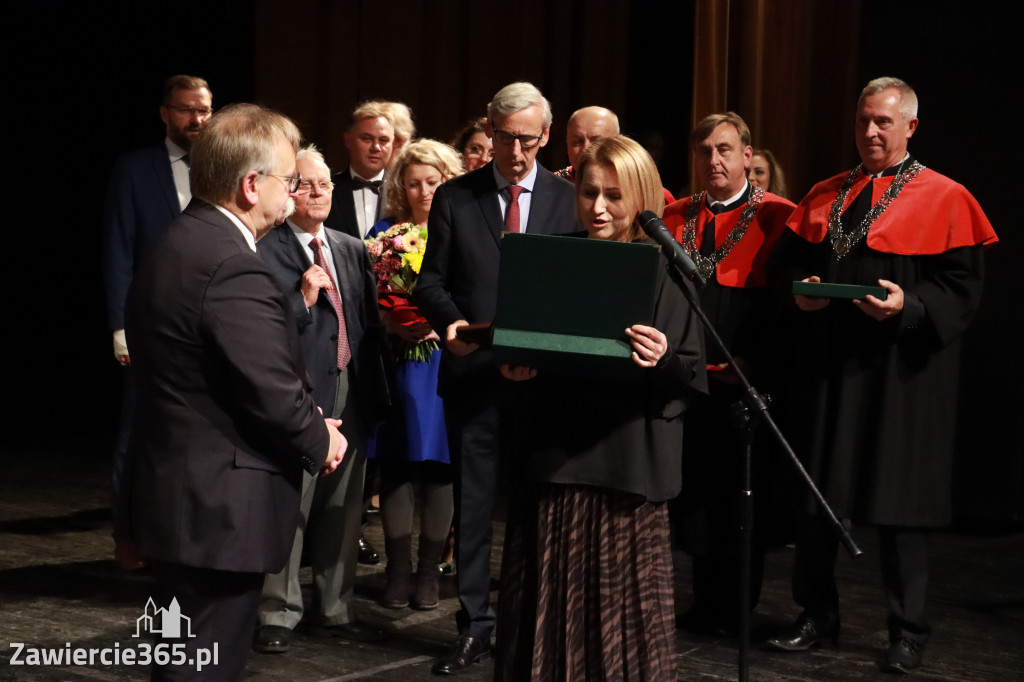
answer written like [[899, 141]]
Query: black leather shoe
[[367, 554], [903, 656], [805, 634], [467, 651], [353, 632], [272, 639]]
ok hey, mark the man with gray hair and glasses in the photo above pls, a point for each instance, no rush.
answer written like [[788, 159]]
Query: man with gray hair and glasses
[[331, 292], [458, 285], [226, 422]]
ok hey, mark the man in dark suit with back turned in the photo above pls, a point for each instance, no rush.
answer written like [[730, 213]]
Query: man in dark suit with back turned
[[225, 421], [458, 285], [148, 189], [358, 202], [319, 271]]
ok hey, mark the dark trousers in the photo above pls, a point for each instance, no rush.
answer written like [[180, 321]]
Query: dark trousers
[[121, 466], [219, 609], [903, 553], [473, 424]]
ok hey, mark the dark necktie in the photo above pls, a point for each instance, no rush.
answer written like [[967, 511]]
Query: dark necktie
[[344, 352], [187, 160], [707, 244], [372, 185], [512, 210]]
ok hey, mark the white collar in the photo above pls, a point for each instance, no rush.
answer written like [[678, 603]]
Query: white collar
[[526, 183]]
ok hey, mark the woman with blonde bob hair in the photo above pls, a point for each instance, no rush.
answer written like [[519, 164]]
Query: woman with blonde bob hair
[[425, 152], [586, 579], [411, 448]]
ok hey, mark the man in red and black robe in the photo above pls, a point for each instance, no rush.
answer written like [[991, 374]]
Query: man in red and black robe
[[729, 229], [879, 375]]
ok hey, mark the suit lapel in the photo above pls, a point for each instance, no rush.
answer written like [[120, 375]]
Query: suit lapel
[[162, 171], [293, 247], [541, 201], [486, 196], [343, 207], [346, 268]]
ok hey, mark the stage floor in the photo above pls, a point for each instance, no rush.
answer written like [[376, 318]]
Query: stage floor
[[58, 586]]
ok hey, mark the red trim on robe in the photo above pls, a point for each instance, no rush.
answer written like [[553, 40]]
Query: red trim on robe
[[932, 215], [744, 267]]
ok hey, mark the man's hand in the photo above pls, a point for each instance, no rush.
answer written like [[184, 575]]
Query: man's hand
[[454, 344], [336, 452], [810, 303], [881, 310], [313, 280], [121, 348]]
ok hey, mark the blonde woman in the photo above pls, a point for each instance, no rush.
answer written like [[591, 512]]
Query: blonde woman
[[412, 449]]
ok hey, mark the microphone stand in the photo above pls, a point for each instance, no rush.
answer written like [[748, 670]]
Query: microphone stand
[[752, 411]]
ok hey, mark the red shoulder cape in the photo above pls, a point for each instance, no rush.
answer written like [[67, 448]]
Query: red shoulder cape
[[744, 266], [932, 215]]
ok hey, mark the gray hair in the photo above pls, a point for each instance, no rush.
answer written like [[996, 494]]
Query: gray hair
[[313, 154], [238, 139], [908, 98], [516, 97]]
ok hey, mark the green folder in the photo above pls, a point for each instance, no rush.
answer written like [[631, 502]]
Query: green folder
[[830, 290], [564, 304]]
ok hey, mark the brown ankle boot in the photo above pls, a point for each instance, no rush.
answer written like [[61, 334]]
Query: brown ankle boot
[[399, 572], [428, 579]]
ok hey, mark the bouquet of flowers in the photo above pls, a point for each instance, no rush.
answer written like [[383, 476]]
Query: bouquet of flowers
[[397, 255]]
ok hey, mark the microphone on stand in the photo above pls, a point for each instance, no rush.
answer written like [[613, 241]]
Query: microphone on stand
[[673, 250]]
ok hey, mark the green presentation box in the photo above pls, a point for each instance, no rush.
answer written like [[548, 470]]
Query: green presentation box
[[827, 290], [564, 304]]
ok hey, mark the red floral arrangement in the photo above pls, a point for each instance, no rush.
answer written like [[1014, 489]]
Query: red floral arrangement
[[397, 256]]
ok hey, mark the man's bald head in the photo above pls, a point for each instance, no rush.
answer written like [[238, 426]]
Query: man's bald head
[[585, 127]]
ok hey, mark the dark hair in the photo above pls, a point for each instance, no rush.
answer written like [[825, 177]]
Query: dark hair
[[182, 82], [474, 126]]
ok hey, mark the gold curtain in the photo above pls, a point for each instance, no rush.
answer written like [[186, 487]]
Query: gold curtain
[[789, 68]]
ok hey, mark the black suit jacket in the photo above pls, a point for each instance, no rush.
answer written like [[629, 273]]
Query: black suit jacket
[[343, 206], [141, 202], [225, 421], [318, 326], [459, 277]]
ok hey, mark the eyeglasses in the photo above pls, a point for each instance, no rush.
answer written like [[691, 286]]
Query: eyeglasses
[[307, 186], [191, 111], [525, 141], [477, 150], [291, 182]]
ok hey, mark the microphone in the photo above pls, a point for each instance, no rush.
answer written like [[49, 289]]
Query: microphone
[[673, 250]]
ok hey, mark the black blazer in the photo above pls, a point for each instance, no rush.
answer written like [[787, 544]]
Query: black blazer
[[318, 326], [141, 202], [225, 420], [459, 278], [343, 205]]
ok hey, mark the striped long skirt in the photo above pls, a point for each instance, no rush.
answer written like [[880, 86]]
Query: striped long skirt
[[586, 588]]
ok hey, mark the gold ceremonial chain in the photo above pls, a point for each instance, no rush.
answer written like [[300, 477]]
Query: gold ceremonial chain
[[706, 265], [842, 243]]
